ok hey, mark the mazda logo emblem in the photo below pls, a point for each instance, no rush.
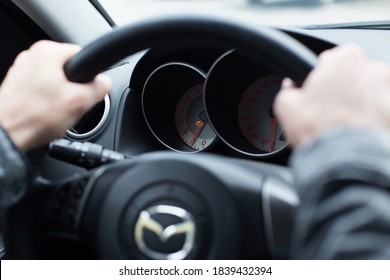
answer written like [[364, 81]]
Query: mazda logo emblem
[[147, 222]]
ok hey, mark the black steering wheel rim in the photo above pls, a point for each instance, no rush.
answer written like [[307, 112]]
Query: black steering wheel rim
[[269, 46], [272, 47]]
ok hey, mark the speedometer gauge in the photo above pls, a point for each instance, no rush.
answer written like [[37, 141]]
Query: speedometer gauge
[[191, 120], [255, 115]]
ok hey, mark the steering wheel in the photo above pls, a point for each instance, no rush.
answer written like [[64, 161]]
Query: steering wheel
[[166, 205]]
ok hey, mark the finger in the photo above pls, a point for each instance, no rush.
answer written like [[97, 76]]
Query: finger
[[81, 97], [288, 107], [287, 83], [60, 52], [286, 102], [69, 51], [342, 55], [352, 49], [103, 85]]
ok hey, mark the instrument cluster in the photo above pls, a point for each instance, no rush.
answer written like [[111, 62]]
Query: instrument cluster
[[189, 111]]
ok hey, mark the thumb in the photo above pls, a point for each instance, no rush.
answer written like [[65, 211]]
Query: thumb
[[286, 103], [287, 83], [287, 107], [286, 98]]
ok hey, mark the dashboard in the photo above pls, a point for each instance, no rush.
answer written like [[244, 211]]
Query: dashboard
[[198, 99], [186, 99], [192, 99]]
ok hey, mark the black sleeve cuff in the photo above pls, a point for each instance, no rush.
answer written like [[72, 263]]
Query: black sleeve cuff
[[14, 172], [341, 154]]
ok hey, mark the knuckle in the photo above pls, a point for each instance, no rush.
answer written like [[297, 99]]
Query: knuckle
[[351, 53], [37, 46], [21, 57], [382, 67], [352, 50], [342, 54], [42, 44], [326, 54]]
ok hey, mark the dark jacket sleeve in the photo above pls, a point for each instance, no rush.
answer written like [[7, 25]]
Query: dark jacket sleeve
[[14, 173], [343, 180]]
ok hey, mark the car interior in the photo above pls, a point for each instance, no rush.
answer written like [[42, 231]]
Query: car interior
[[183, 159]]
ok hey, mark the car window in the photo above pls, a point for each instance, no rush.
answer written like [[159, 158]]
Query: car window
[[273, 12]]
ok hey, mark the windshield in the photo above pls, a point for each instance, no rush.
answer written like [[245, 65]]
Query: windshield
[[270, 12]]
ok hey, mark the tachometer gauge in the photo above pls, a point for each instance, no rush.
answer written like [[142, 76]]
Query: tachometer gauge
[[172, 102], [255, 115], [191, 120]]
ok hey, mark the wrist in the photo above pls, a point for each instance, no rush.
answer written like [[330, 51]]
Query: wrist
[[19, 134]]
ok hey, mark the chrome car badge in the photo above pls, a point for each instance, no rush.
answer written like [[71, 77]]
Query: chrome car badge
[[147, 222]]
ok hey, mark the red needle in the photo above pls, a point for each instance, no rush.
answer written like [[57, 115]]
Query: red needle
[[272, 138], [199, 125]]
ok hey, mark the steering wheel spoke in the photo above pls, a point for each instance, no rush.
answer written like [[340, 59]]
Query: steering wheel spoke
[[64, 208], [48, 211]]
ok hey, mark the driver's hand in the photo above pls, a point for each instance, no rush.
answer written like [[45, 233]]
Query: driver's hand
[[37, 102], [345, 89]]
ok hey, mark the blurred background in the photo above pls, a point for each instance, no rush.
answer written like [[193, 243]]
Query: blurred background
[[272, 12]]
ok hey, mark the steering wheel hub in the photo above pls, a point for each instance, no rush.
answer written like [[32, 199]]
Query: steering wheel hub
[[166, 221], [166, 206], [163, 209]]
